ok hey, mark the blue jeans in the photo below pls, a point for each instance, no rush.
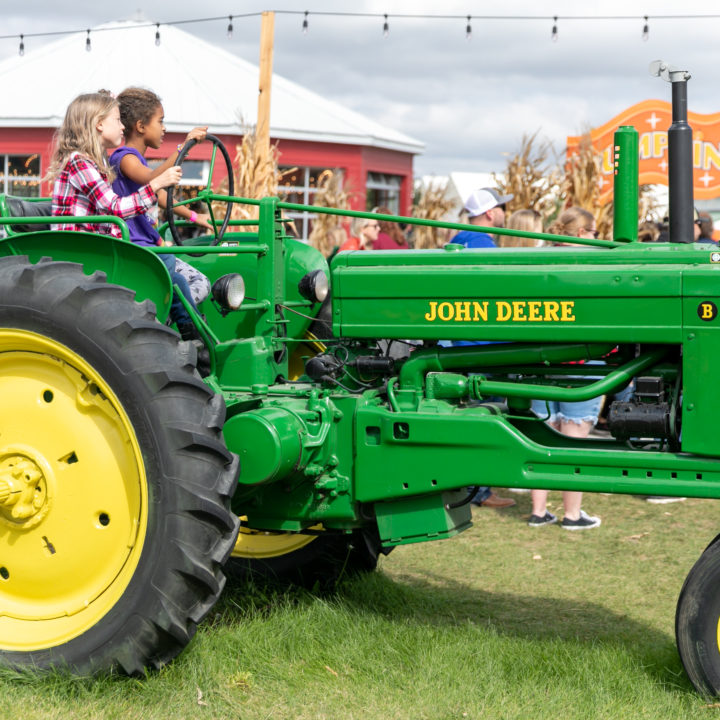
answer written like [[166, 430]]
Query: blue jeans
[[576, 412], [178, 313], [569, 411], [482, 494]]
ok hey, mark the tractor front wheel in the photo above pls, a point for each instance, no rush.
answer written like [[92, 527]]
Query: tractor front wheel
[[115, 482], [697, 622]]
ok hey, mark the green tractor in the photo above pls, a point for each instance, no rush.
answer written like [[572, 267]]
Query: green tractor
[[129, 485]]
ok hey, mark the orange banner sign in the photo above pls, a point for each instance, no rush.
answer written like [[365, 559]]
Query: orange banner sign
[[652, 118]]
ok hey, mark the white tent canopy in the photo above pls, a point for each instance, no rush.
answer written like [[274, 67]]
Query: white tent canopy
[[199, 84]]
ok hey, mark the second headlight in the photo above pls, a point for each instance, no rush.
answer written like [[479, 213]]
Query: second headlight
[[314, 286]]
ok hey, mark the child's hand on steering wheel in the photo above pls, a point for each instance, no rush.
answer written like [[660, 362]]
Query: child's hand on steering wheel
[[203, 220], [198, 134]]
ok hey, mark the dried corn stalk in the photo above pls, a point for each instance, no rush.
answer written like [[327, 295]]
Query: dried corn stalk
[[328, 231], [580, 185], [432, 204], [531, 179]]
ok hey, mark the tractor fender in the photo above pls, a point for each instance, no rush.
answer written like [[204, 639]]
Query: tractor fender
[[124, 263]]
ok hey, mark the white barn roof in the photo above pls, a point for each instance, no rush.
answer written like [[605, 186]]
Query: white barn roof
[[200, 84]]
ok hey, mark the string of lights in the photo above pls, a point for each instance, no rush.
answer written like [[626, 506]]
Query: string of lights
[[385, 17]]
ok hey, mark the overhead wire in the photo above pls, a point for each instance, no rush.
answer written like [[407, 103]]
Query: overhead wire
[[385, 17]]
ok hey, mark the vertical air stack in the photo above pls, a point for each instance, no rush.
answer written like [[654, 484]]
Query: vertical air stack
[[625, 188]]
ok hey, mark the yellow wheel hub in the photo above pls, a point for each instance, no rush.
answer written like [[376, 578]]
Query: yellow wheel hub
[[73, 494], [23, 487]]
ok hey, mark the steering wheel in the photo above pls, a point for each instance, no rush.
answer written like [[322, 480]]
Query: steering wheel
[[218, 232]]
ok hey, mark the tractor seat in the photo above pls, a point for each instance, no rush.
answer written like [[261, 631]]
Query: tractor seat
[[19, 207]]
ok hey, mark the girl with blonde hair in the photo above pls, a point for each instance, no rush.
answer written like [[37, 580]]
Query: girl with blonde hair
[[81, 172], [576, 222], [527, 221]]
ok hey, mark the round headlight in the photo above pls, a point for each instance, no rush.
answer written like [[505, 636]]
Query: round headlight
[[314, 286], [229, 291]]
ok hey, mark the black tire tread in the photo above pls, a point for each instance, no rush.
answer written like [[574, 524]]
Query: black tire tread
[[180, 576], [696, 622]]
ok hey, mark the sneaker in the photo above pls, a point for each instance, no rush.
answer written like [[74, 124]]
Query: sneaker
[[584, 522], [663, 499], [547, 519]]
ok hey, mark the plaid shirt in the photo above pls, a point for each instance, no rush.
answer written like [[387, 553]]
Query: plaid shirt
[[81, 189]]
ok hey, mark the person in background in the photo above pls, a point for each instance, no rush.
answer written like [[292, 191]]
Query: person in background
[[648, 232], [663, 235], [390, 237], [575, 222], [486, 208], [574, 419], [526, 220], [364, 232], [664, 229], [705, 224]]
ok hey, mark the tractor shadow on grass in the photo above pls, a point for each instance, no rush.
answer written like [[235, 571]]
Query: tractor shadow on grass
[[437, 600]]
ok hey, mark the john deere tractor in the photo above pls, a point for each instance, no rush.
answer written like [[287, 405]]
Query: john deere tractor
[[129, 483]]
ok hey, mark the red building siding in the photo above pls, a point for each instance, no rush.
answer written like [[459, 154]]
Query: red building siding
[[355, 160]]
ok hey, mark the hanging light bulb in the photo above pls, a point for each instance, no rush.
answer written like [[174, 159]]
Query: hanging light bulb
[[305, 23], [468, 30], [88, 46], [646, 30], [157, 35], [21, 49], [554, 34], [386, 27], [230, 27]]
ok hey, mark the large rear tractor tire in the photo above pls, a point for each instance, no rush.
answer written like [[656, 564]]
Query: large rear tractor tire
[[115, 482], [697, 622]]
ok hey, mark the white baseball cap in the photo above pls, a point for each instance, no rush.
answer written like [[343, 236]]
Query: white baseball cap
[[484, 199]]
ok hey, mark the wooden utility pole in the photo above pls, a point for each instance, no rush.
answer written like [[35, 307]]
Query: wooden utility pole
[[267, 30]]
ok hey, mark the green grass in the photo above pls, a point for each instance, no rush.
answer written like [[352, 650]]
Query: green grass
[[504, 621]]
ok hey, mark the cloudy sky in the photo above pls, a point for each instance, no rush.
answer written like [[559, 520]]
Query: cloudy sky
[[469, 101]]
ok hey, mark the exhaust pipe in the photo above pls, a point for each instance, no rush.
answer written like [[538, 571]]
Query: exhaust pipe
[[680, 170]]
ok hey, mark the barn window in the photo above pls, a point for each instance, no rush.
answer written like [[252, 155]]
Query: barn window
[[383, 190], [298, 185], [20, 175]]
